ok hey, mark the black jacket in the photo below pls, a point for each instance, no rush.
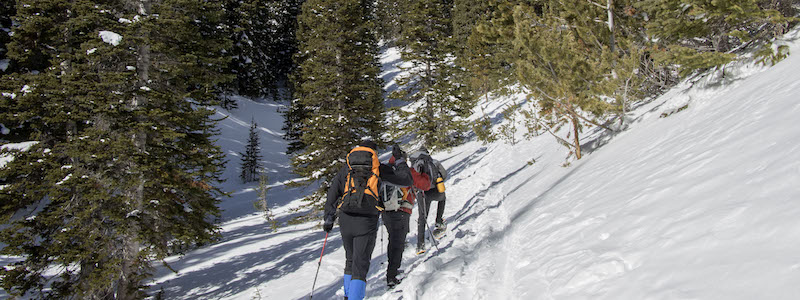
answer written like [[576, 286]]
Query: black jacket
[[398, 174]]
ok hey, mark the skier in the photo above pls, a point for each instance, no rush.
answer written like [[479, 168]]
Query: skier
[[354, 196], [422, 162], [396, 217]]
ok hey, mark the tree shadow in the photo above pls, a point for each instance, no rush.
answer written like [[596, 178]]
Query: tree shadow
[[236, 275]]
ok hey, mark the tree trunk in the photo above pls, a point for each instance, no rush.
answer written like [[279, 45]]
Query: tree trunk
[[575, 124], [430, 123], [129, 279], [610, 10]]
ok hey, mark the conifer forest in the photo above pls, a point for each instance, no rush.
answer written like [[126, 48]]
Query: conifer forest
[[110, 160]]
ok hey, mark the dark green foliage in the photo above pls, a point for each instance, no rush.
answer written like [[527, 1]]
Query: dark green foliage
[[251, 158], [564, 58], [440, 107], [124, 169], [480, 62], [338, 95], [389, 17], [703, 34], [7, 10], [293, 126], [264, 35]]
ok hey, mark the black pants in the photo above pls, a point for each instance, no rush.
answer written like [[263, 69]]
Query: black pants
[[397, 225], [358, 236], [425, 207]]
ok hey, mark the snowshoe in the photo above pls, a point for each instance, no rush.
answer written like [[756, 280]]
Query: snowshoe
[[420, 250], [439, 231]]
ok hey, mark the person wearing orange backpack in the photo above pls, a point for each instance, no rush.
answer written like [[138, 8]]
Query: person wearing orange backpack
[[354, 196], [398, 204]]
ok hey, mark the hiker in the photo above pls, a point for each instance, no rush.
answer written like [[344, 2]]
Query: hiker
[[398, 203], [354, 196], [422, 162]]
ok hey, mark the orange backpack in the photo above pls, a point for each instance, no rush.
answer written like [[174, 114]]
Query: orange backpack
[[361, 187]]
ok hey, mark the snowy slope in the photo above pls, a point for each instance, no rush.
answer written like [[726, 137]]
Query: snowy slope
[[698, 205]]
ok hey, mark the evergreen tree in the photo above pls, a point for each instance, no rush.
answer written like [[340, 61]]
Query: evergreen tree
[[483, 65], [293, 126], [264, 35], [7, 10], [124, 166], [390, 21], [702, 34], [565, 59], [338, 92], [438, 119], [251, 158]]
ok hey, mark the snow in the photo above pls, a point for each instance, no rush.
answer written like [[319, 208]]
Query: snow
[[4, 64], [692, 203], [65, 179], [23, 146], [91, 51], [110, 37]]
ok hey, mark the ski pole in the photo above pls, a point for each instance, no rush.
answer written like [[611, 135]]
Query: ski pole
[[425, 213], [318, 265]]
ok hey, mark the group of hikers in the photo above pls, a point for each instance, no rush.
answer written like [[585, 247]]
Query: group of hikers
[[365, 190]]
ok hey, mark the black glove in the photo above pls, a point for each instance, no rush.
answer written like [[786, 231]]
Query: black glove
[[328, 225], [398, 153]]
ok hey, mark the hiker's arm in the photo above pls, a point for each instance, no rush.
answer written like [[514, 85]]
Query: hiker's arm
[[335, 192], [399, 175]]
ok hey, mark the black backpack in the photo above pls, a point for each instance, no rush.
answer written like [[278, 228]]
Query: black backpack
[[361, 186]]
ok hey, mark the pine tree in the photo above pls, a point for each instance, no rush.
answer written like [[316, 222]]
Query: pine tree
[[702, 34], [293, 126], [7, 10], [483, 64], [438, 119], [124, 167], [337, 89], [390, 21], [565, 60], [264, 34], [251, 158]]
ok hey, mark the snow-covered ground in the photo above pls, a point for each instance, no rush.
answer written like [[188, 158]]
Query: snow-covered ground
[[701, 204]]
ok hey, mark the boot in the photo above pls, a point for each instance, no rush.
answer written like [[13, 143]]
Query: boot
[[346, 283], [358, 289], [420, 248], [392, 282]]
